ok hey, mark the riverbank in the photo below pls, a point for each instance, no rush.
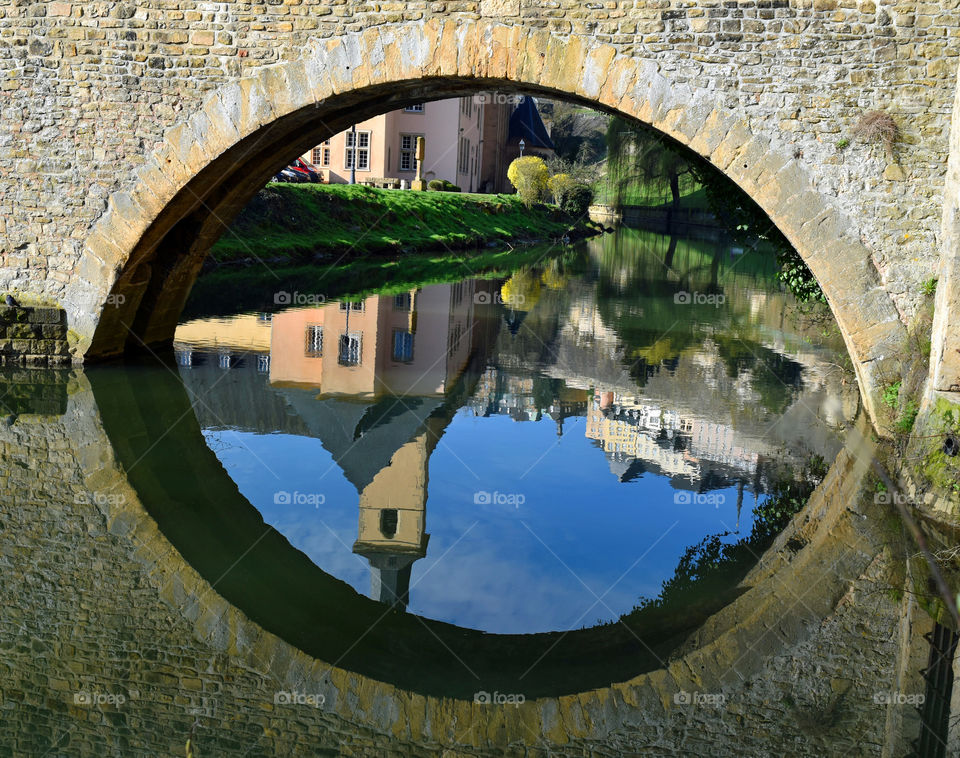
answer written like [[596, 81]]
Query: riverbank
[[288, 224], [232, 289]]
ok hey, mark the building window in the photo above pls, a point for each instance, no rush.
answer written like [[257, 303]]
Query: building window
[[314, 341], [408, 152], [402, 302], [263, 364], [362, 150], [349, 354], [464, 158], [354, 306], [453, 339], [321, 155], [466, 106], [402, 346], [417, 108], [184, 358], [225, 360], [389, 520]]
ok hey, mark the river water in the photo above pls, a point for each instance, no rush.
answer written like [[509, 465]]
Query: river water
[[515, 486]]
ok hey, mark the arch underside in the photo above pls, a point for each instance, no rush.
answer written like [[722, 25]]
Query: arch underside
[[145, 252]]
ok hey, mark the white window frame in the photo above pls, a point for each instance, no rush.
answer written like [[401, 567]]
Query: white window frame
[[415, 108], [363, 151], [313, 339], [351, 337], [321, 154], [408, 151], [463, 159]]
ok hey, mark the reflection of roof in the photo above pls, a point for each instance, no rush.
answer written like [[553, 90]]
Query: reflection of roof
[[624, 468], [361, 437], [526, 124]]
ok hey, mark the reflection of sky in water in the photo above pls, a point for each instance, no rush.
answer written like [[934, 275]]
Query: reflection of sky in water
[[580, 535]]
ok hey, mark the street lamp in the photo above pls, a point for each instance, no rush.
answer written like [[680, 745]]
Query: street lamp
[[522, 145], [353, 161]]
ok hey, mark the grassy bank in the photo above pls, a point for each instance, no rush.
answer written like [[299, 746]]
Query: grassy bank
[[234, 289], [291, 223]]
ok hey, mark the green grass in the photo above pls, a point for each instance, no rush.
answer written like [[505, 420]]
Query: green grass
[[292, 223], [252, 288]]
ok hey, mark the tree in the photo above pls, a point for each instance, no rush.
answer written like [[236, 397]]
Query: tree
[[529, 176], [560, 186], [639, 156]]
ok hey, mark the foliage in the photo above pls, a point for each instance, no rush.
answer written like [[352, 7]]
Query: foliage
[[528, 175], [904, 424], [712, 565], [442, 185], [577, 132], [559, 185], [638, 155], [843, 143], [795, 273], [577, 201], [929, 287], [891, 395]]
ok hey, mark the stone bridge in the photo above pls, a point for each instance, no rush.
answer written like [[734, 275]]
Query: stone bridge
[[132, 133]]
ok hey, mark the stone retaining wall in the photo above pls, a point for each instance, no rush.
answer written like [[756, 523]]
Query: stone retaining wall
[[33, 337]]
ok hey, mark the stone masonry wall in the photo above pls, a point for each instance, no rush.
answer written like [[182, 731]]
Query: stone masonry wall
[[33, 337], [88, 89], [98, 604]]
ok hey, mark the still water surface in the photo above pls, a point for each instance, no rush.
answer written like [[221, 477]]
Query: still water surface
[[402, 503], [529, 453]]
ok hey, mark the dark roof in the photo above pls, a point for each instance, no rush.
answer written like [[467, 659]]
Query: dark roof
[[526, 124]]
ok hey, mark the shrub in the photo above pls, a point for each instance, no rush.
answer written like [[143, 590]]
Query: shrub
[[529, 175], [878, 126], [442, 185], [559, 185], [578, 200]]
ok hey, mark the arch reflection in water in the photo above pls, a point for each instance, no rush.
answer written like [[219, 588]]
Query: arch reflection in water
[[647, 422]]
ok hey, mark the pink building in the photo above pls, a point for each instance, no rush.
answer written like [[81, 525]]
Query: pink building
[[468, 142], [412, 343]]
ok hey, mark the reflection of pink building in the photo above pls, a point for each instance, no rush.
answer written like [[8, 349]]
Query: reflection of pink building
[[454, 131], [415, 343]]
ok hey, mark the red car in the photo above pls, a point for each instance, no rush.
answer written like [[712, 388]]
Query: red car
[[304, 168]]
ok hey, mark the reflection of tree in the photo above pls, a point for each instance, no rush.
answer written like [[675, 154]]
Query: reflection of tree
[[711, 569], [522, 290], [773, 376]]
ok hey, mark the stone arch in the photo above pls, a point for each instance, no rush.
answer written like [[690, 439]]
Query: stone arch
[[142, 256]]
